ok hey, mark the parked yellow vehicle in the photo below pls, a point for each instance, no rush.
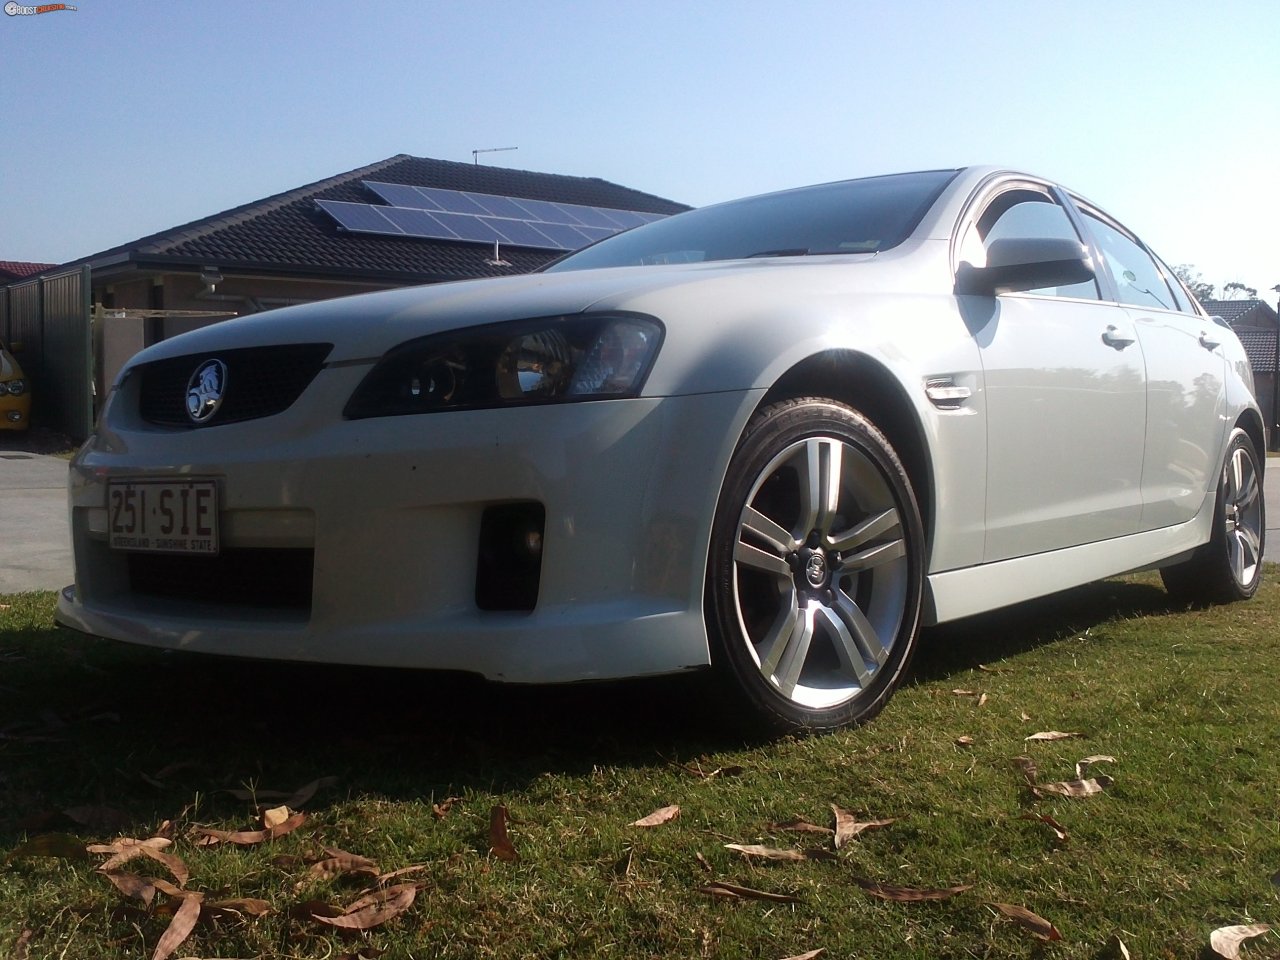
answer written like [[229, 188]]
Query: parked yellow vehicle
[[15, 393]]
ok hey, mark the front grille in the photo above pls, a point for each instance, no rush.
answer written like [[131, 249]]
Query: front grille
[[260, 382], [257, 577]]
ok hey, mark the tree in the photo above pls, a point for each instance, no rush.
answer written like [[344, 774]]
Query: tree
[[1235, 290], [1190, 276]]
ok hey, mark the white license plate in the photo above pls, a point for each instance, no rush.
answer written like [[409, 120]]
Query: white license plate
[[163, 516]]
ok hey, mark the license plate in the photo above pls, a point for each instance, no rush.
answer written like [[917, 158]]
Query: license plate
[[163, 516]]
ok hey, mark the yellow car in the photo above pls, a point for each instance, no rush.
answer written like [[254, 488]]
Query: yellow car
[[15, 393]]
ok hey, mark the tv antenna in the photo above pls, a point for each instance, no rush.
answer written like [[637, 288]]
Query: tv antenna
[[475, 154]]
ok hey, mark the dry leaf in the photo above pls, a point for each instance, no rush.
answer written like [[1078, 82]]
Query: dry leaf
[[1057, 828], [1027, 766], [848, 827], [732, 891], [909, 894], [702, 862], [964, 693], [811, 955], [985, 669], [273, 818], [1038, 925], [1024, 716], [1073, 788], [1225, 941], [339, 862], [247, 838], [1115, 949], [375, 909], [21, 946], [964, 741], [180, 927], [384, 878], [982, 700], [500, 844], [658, 817], [60, 845], [132, 885], [239, 905], [697, 771], [775, 853], [1083, 766], [1053, 735], [441, 809], [800, 825]]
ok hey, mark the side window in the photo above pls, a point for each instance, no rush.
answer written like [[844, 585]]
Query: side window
[[1138, 280], [1019, 214]]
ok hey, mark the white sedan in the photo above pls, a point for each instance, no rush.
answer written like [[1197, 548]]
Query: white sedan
[[772, 437]]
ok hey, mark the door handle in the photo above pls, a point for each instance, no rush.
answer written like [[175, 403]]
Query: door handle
[[1112, 337], [1208, 342]]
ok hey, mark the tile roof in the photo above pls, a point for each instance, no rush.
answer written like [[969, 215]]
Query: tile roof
[[1260, 346], [288, 233], [19, 269], [1238, 310]]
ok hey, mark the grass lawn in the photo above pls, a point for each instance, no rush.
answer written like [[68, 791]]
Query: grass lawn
[[100, 742]]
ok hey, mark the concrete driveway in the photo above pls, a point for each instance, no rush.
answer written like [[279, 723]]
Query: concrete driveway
[[35, 542]]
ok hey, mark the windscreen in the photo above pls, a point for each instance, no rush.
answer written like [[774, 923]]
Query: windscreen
[[851, 216]]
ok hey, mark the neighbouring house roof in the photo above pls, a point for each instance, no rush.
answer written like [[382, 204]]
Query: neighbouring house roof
[[20, 269], [289, 233], [1260, 346], [1245, 313]]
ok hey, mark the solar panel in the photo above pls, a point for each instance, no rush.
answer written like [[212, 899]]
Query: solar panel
[[434, 213]]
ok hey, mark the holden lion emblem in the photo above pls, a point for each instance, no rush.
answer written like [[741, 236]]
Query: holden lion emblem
[[205, 390]]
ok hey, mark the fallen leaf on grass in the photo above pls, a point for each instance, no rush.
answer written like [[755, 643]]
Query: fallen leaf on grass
[[247, 838], [1037, 925], [658, 817], [1115, 949], [1058, 830], [731, 891], [21, 946], [1027, 767], [800, 825], [1024, 717], [811, 955], [180, 927], [1225, 941], [441, 810], [132, 885], [341, 862], [1083, 766], [886, 891], [374, 909], [964, 693], [60, 845], [1073, 788], [776, 853], [696, 771], [500, 844], [1050, 735], [848, 827], [236, 907], [964, 741]]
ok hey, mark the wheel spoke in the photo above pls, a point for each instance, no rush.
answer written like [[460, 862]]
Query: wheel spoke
[[792, 663], [1247, 495], [777, 536], [868, 529], [757, 559], [875, 556], [779, 636], [863, 633], [851, 660], [819, 472]]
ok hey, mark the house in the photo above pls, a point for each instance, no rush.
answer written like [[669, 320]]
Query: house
[[402, 221], [11, 270], [1257, 326]]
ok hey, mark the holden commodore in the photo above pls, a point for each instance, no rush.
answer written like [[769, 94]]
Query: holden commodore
[[772, 438]]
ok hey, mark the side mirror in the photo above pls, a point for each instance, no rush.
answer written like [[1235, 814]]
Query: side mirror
[[1026, 263]]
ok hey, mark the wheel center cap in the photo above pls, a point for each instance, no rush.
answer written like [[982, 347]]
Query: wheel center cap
[[815, 569]]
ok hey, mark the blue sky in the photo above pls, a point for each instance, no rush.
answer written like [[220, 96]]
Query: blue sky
[[125, 117]]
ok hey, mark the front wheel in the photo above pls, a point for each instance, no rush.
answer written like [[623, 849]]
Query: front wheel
[[1229, 566], [816, 568]]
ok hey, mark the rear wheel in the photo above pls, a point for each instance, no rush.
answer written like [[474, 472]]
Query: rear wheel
[[1229, 566], [816, 568]]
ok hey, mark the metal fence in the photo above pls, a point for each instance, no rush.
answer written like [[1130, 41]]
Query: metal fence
[[49, 318]]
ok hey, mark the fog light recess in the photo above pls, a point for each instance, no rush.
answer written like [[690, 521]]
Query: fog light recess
[[509, 564]]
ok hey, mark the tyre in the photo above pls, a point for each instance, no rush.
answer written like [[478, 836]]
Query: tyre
[[816, 569], [1229, 566]]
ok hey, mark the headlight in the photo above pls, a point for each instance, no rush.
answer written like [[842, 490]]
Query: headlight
[[16, 387], [549, 360]]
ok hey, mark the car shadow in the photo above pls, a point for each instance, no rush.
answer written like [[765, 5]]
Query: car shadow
[[88, 722]]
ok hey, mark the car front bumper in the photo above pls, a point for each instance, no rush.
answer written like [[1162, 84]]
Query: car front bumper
[[383, 517]]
